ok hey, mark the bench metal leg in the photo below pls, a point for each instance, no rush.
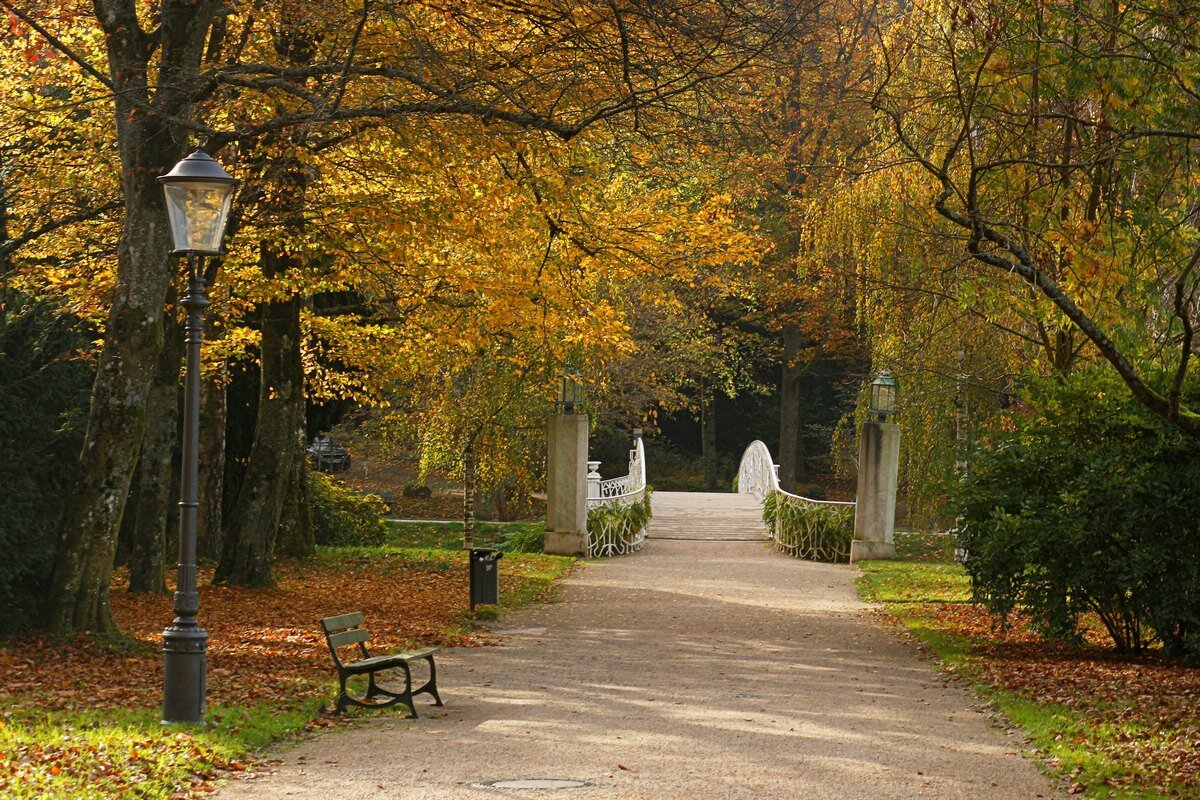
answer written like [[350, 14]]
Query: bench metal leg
[[374, 690], [430, 687]]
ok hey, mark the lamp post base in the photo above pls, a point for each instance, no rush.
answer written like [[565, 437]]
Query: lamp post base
[[185, 670]]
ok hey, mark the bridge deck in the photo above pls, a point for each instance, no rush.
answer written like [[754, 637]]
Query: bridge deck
[[706, 516]]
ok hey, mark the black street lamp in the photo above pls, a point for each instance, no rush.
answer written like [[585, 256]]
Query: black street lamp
[[883, 397], [198, 195]]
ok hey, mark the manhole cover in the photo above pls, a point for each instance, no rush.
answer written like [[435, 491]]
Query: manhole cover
[[535, 783]]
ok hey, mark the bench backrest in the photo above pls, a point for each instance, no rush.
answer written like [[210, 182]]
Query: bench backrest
[[344, 630]]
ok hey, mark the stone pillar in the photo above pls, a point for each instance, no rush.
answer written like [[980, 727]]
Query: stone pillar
[[566, 486], [875, 512]]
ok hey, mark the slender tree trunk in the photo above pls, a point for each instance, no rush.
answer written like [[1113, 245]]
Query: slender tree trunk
[[272, 502], [296, 536], [251, 531], [5, 256], [147, 513], [79, 584], [212, 467], [708, 435], [960, 416], [791, 441], [469, 494]]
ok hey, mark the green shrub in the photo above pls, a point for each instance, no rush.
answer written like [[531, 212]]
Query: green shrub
[[818, 532], [523, 539], [1088, 505], [44, 385], [343, 518]]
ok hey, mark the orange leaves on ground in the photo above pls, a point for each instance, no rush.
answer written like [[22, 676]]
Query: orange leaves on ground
[[263, 643], [264, 647]]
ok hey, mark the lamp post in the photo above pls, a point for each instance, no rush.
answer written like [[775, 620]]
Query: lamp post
[[198, 195]]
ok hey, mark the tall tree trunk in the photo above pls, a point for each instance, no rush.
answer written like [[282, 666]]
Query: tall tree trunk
[[469, 492], [961, 419], [296, 536], [79, 584], [5, 255], [791, 441], [708, 435], [272, 502], [212, 467], [251, 530], [147, 513]]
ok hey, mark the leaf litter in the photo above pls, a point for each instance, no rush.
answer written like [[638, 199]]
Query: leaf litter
[[265, 647]]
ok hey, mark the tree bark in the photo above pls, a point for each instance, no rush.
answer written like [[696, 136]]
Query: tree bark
[[469, 492], [253, 526], [296, 536], [791, 441], [147, 513], [149, 146], [708, 435]]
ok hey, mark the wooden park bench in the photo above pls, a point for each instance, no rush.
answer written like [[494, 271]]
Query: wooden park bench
[[345, 631]]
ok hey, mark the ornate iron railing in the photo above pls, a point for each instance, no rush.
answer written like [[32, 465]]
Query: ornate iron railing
[[818, 530], [619, 508]]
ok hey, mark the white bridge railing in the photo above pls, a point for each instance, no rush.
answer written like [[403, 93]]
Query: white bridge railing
[[800, 526], [618, 511]]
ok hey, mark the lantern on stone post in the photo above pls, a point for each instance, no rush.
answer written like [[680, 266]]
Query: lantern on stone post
[[570, 391], [566, 469], [883, 397], [878, 475]]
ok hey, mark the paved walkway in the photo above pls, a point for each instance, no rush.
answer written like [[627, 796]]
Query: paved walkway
[[695, 669], [707, 516]]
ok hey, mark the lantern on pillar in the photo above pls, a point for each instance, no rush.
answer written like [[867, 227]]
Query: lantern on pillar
[[883, 397], [570, 392]]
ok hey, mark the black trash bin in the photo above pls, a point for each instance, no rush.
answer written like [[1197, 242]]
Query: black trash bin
[[485, 576]]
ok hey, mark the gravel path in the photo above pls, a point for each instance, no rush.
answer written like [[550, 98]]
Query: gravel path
[[694, 669]]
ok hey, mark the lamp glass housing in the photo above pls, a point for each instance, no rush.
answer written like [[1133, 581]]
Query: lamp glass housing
[[883, 396], [570, 393], [197, 211], [198, 194]]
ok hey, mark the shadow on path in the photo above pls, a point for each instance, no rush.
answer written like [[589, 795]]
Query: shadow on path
[[691, 670]]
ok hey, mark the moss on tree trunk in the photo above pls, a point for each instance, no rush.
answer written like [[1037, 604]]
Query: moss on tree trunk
[[148, 510]]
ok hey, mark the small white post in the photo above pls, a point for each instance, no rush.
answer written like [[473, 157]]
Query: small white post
[[593, 480]]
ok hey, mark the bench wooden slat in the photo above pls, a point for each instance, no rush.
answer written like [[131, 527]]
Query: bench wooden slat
[[342, 621], [353, 636], [413, 655]]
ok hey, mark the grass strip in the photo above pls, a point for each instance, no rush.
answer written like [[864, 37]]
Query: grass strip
[[1080, 747]]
